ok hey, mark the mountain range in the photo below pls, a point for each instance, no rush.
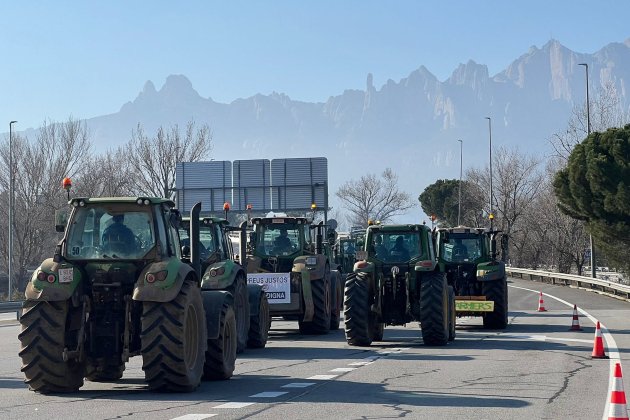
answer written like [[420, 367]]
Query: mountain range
[[411, 125]]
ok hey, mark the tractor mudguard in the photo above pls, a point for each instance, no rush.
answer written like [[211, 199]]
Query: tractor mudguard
[[220, 275], [490, 271], [307, 292], [253, 293], [161, 281], [316, 271], [213, 301], [65, 281]]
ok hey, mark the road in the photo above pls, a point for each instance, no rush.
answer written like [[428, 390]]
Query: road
[[535, 369]]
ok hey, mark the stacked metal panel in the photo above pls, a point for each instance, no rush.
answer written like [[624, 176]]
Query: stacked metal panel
[[207, 182], [279, 184]]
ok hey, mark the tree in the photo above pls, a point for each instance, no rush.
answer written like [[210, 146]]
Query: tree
[[374, 198], [606, 111], [154, 160], [595, 187], [60, 150], [107, 175], [442, 199]]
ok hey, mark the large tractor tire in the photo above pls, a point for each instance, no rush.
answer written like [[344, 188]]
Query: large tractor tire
[[434, 309], [378, 332], [221, 353], [174, 339], [106, 372], [241, 310], [336, 288], [45, 333], [321, 307], [452, 314], [259, 324], [360, 322], [497, 292]]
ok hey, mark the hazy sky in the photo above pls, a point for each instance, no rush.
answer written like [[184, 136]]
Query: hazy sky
[[87, 58]]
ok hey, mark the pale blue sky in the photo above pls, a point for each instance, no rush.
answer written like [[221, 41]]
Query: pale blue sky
[[87, 58]]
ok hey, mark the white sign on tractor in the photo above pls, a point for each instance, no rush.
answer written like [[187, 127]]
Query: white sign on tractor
[[276, 285]]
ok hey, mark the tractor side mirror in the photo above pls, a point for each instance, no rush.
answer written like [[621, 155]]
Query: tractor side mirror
[[61, 220]]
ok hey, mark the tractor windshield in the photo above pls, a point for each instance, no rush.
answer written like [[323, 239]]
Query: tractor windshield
[[278, 239], [462, 247], [208, 242], [399, 247], [105, 231]]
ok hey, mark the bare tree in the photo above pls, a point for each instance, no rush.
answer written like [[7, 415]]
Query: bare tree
[[153, 160], [606, 110], [374, 198], [107, 175], [60, 150]]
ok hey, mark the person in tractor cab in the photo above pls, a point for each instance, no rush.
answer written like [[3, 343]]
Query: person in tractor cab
[[117, 237], [282, 241], [460, 251], [399, 251]]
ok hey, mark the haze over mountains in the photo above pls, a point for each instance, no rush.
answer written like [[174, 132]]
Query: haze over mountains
[[411, 125]]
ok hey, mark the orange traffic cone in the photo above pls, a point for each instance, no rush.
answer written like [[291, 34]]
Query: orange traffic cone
[[598, 345], [541, 303], [618, 409], [575, 324]]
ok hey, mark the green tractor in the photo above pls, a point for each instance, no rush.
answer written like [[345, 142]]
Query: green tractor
[[397, 280], [118, 286], [468, 256], [222, 272], [290, 259]]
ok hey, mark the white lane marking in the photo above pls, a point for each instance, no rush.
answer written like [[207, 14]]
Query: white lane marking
[[270, 394], [342, 370], [234, 405], [194, 417], [613, 350], [298, 385], [322, 377], [361, 363]]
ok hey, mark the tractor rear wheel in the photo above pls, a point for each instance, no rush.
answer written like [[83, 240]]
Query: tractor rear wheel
[[321, 307], [221, 353], [360, 322], [45, 334], [241, 309], [259, 324], [174, 340], [434, 309], [497, 292]]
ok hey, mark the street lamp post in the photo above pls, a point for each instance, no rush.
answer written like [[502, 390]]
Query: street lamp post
[[491, 216], [588, 131], [11, 203], [461, 159]]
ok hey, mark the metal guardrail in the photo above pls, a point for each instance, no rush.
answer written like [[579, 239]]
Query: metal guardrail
[[603, 286], [12, 306]]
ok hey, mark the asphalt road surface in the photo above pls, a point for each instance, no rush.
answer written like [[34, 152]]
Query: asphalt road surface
[[534, 369]]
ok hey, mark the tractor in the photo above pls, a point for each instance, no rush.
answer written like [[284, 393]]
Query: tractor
[[117, 286], [220, 271], [290, 259], [397, 280], [469, 258]]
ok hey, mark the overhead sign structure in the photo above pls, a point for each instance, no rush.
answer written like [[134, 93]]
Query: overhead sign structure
[[294, 184]]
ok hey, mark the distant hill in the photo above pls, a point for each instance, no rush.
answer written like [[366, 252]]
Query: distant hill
[[411, 125]]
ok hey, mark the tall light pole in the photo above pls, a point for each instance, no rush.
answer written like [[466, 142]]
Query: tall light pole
[[588, 131], [10, 206], [491, 215], [461, 159]]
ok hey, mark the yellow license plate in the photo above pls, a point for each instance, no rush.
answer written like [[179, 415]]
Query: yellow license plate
[[474, 306]]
